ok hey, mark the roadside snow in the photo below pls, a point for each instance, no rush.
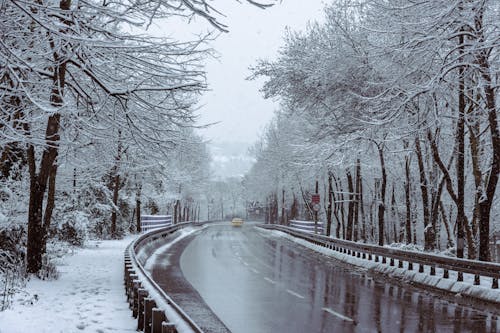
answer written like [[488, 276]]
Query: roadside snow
[[88, 296], [467, 288], [149, 261]]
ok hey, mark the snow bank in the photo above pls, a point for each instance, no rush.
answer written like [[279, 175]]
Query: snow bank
[[466, 288], [147, 257], [88, 296]]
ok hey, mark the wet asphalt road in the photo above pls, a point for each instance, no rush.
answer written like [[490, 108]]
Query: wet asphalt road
[[256, 282]]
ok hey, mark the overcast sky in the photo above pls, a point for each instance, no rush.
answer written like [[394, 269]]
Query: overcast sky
[[254, 33]]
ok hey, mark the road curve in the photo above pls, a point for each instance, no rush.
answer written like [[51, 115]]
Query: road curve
[[256, 282]]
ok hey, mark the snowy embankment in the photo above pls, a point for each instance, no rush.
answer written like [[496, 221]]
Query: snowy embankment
[[88, 296], [467, 288], [147, 257]]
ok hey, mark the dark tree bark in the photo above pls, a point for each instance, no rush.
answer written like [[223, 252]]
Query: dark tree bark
[[494, 172], [49, 207], [350, 212], [453, 195], [356, 201], [460, 153], [394, 213], [429, 236], [294, 209], [361, 204], [283, 210], [329, 209], [339, 208], [408, 198], [381, 205], [138, 207], [116, 189], [449, 234], [39, 180], [176, 211]]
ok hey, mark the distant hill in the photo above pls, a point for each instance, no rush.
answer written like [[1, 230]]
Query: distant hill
[[230, 159]]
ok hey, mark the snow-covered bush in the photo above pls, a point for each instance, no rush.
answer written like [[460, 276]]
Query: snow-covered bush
[[12, 267], [48, 270], [73, 228]]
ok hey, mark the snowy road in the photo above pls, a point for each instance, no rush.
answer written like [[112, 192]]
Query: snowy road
[[255, 282]]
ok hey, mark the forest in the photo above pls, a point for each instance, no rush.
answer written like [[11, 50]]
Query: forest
[[98, 123], [388, 107], [391, 108]]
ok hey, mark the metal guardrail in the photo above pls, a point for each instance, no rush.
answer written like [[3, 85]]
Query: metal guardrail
[[373, 252], [144, 295]]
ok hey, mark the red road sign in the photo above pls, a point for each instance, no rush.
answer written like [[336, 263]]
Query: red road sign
[[315, 198]]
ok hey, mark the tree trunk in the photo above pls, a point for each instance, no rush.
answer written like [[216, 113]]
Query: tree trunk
[[394, 213], [454, 197], [408, 199], [361, 205], [339, 208], [449, 234], [176, 211], [138, 207], [460, 152], [381, 205], [494, 172], [329, 209], [49, 207], [116, 188], [356, 201], [283, 210], [350, 212], [38, 182], [429, 236]]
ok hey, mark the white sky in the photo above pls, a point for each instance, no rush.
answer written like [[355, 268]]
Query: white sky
[[254, 34]]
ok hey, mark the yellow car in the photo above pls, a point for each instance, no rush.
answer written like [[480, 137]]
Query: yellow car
[[237, 222]]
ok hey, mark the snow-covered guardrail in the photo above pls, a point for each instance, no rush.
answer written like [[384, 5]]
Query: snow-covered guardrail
[[155, 311], [379, 253]]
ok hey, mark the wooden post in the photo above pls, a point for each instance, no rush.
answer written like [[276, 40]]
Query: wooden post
[[158, 317], [130, 288], [140, 309], [149, 304], [126, 275], [135, 306], [168, 328]]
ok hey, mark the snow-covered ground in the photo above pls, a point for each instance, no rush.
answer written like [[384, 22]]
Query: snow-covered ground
[[466, 288], [88, 296]]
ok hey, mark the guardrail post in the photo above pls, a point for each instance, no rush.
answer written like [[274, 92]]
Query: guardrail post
[[168, 328], [135, 307], [433, 270], [128, 270], [130, 287], [446, 274], [420, 268], [140, 319], [149, 304], [158, 316], [410, 266]]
